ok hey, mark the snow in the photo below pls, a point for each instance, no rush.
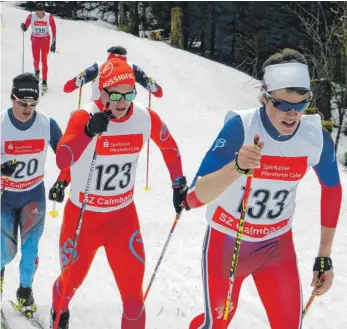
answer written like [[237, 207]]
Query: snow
[[197, 94]]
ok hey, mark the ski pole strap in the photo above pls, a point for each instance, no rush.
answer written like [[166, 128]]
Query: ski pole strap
[[238, 168], [322, 264]]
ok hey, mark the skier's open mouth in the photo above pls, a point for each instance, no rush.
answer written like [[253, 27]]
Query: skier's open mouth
[[289, 123]]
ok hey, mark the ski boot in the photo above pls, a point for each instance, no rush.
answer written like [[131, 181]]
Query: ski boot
[[44, 86], [37, 74], [63, 321], [26, 303]]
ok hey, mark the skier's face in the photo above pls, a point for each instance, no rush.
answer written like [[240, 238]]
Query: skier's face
[[23, 109], [40, 13], [119, 108], [285, 122]]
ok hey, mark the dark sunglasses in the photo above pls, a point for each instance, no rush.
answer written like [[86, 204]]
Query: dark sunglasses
[[116, 96], [286, 106], [25, 103]]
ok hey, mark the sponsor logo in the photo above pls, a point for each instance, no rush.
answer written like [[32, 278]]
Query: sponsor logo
[[117, 78], [281, 168], [24, 147], [121, 144], [103, 201], [35, 212], [251, 230], [106, 69], [164, 133], [220, 142], [20, 185], [40, 23]]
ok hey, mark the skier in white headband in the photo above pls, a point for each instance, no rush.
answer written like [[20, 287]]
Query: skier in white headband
[[290, 143]]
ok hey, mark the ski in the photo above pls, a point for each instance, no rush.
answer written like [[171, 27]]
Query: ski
[[4, 322], [34, 322]]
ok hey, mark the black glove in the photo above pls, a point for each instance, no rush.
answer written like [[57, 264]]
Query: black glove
[[53, 46], [322, 264], [180, 190], [98, 123], [24, 28], [56, 193], [8, 168]]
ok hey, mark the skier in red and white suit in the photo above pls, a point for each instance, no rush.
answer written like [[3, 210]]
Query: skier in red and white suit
[[40, 22], [110, 219]]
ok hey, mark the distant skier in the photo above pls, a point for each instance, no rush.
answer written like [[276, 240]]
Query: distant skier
[[291, 143], [25, 136], [40, 22], [91, 74], [110, 219]]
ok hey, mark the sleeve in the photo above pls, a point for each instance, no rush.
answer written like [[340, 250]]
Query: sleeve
[[55, 136], [28, 21], [329, 179], [53, 26], [74, 140], [90, 74], [223, 150], [167, 145], [142, 78]]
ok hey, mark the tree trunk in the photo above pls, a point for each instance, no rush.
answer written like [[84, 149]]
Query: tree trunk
[[176, 27], [116, 12], [203, 28]]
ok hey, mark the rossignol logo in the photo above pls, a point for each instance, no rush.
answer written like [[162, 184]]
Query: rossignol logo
[[120, 77], [106, 69]]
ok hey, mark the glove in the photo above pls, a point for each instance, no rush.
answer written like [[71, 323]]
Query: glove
[[80, 80], [151, 85], [98, 123], [322, 264], [23, 27], [180, 190], [53, 46], [8, 168], [56, 193]]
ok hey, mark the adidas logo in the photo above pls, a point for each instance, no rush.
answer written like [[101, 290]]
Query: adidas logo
[[35, 211]]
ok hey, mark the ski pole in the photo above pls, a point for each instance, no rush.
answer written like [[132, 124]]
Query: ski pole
[[79, 226], [237, 246], [313, 297], [80, 93], [23, 55], [54, 212], [2, 21], [178, 215], [147, 165]]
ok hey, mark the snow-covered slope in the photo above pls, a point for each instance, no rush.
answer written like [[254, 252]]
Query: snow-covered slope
[[197, 94]]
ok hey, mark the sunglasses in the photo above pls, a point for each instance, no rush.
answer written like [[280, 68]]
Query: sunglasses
[[25, 103], [116, 96], [286, 106]]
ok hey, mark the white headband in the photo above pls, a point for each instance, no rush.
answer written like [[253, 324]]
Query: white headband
[[287, 75]]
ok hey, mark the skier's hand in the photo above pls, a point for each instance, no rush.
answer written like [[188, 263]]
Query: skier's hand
[[98, 123], [180, 190], [80, 80], [23, 27], [323, 275], [56, 193], [53, 46], [249, 156], [151, 85], [8, 168]]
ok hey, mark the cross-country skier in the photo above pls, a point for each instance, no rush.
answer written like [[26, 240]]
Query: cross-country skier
[[290, 144], [116, 129], [25, 136], [40, 22], [91, 75]]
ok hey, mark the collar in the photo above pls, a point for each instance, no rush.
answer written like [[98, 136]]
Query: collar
[[271, 130], [19, 124], [130, 112]]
